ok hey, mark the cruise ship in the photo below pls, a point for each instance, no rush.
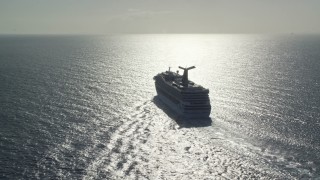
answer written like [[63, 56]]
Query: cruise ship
[[181, 95]]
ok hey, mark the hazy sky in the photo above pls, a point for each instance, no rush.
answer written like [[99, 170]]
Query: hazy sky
[[159, 16]]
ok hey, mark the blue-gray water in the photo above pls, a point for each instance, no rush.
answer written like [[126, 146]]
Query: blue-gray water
[[83, 107]]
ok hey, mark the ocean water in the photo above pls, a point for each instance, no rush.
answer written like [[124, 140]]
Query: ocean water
[[85, 107]]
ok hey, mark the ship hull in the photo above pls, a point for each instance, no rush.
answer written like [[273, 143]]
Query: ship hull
[[179, 107], [184, 97], [173, 107]]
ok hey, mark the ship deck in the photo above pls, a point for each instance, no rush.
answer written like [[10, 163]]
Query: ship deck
[[175, 80]]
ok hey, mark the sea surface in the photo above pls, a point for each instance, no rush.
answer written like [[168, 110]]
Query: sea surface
[[85, 107]]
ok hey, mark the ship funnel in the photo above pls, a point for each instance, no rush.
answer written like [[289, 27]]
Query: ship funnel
[[185, 80]]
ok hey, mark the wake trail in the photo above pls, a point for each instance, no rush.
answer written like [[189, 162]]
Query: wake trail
[[124, 155]]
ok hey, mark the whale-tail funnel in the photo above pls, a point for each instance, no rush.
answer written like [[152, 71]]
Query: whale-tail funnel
[[185, 80]]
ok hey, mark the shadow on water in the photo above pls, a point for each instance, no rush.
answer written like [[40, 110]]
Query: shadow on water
[[183, 122]]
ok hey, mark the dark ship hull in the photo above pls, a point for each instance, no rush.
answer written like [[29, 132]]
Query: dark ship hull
[[183, 96]]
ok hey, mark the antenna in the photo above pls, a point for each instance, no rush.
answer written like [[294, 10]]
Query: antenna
[[185, 80]]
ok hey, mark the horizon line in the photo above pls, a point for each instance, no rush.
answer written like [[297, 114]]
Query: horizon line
[[104, 34]]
